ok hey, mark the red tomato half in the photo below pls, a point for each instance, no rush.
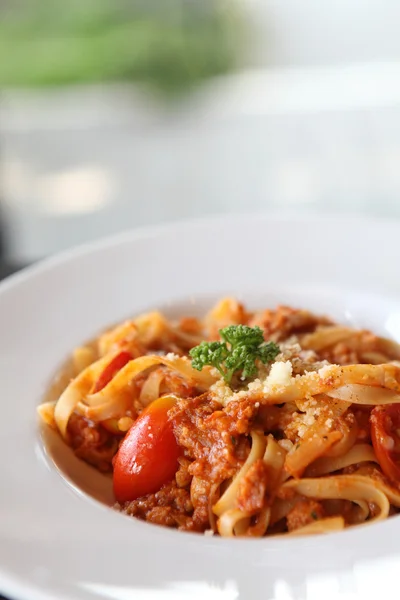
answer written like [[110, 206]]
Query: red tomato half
[[115, 365], [148, 455], [385, 434]]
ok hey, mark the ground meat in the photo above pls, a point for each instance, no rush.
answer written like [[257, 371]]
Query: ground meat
[[303, 513], [252, 488], [282, 323], [92, 443], [200, 492], [211, 436], [215, 443], [242, 414], [170, 506], [182, 476]]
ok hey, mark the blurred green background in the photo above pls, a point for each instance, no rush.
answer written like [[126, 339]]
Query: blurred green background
[[283, 116], [170, 45]]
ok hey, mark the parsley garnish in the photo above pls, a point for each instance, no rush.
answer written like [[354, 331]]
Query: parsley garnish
[[239, 351]]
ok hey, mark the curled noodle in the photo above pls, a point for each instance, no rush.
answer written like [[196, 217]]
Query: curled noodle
[[356, 488], [228, 499]]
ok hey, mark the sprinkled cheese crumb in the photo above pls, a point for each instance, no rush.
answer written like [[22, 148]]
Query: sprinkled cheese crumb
[[285, 444], [309, 419], [302, 422], [288, 351], [280, 375], [301, 431], [171, 356], [255, 386], [326, 370], [329, 422], [302, 361], [208, 532], [221, 392]]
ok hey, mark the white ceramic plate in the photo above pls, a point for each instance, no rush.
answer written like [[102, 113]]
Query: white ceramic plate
[[56, 542]]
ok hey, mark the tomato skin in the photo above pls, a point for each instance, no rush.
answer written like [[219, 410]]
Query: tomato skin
[[115, 365], [148, 455], [385, 423]]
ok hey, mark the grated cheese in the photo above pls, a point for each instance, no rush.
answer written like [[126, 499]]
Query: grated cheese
[[221, 392], [255, 386], [326, 370], [279, 376], [285, 444], [171, 356]]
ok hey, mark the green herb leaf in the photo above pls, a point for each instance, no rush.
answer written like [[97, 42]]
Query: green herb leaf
[[209, 353], [239, 351]]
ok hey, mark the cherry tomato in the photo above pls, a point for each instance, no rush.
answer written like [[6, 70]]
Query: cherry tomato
[[115, 365], [148, 455], [385, 434]]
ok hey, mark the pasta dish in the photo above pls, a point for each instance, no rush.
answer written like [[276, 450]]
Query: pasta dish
[[243, 423]]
